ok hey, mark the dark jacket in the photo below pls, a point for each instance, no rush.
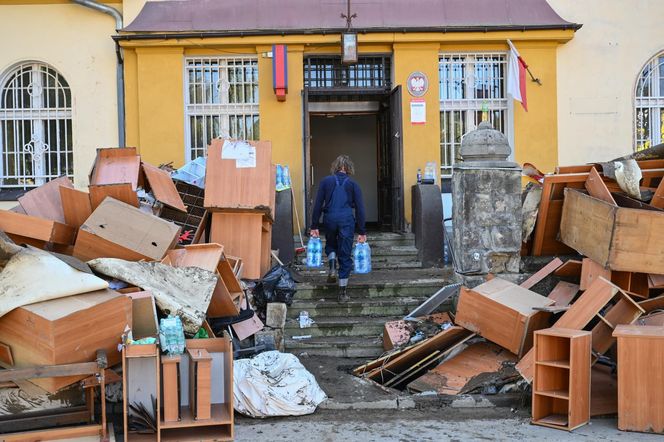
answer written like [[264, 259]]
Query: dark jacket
[[324, 195]]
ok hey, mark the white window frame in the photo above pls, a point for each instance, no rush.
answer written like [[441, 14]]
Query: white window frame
[[215, 104], [468, 107], [45, 103], [653, 101]]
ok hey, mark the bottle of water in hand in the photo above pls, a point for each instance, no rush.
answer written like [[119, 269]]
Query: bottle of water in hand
[[314, 253], [362, 257]]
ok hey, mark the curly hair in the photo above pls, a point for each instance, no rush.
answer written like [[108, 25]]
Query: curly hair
[[343, 162]]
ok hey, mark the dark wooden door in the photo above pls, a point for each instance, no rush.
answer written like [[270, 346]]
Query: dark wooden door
[[396, 160], [306, 156]]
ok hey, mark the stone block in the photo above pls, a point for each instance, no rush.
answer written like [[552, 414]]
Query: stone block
[[270, 335], [276, 315]]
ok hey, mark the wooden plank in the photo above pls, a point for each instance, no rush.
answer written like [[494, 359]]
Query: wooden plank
[[75, 205], [590, 271], [655, 281], [403, 360], [563, 293], [48, 371], [650, 305], [229, 187], [542, 273], [570, 269], [90, 246], [132, 229], [121, 192], [162, 187], [241, 235], [451, 376], [116, 166], [502, 313], [44, 201], [579, 315], [596, 187], [626, 201], [35, 228], [640, 387], [66, 433]]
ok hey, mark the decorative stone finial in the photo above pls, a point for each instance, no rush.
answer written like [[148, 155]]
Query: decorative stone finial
[[486, 146]]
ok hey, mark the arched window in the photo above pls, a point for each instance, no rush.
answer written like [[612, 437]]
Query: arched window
[[35, 126], [649, 103]]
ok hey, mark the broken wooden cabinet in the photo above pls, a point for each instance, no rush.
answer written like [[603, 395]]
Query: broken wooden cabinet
[[170, 391], [503, 313], [640, 378], [561, 386]]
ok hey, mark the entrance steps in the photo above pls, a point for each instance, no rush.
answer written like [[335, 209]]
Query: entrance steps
[[393, 289]]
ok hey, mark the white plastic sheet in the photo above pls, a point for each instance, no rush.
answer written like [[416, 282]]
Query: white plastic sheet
[[274, 384]]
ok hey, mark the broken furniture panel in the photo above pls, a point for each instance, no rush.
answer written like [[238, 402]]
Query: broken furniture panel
[[545, 236], [603, 391], [563, 293], [65, 331], [170, 391], [640, 378], [503, 313], [542, 273], [246, 235], [142, 234], [587, 307], [75, 205], [395, 334], [624, 311], [200, 366], [192, 220], [230, 187], [116, 165], [561, 386], [161, 185], [652, 304], [635, 284], [463, 372], [590, 271], [120, 192], [44, 201], [617, 238], [35, 231], [597, 188], [570, 269]]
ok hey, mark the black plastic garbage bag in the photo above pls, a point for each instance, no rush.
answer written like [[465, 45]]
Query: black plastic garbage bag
[[277, 285]]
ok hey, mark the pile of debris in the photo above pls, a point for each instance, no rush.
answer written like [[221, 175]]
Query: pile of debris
[[583, 345], [85, 273]]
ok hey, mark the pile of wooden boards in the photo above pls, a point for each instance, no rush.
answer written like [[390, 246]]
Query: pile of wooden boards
[[83, 271], [612, 215]]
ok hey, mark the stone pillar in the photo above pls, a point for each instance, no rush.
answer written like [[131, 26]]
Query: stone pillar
[[486, 192]]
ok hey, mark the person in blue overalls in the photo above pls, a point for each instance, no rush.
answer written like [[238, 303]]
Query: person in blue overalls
[[338, 197]]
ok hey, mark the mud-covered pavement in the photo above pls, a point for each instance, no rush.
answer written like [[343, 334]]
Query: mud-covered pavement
[[431, 424]]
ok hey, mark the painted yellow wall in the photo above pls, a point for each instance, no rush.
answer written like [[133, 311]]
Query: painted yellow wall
[[421, 142], [155, 108], [597, 74], [77, 42]]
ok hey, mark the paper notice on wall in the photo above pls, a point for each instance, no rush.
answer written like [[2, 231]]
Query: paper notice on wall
[[418, 111], [248, 161], [242, 152], [235, 150]]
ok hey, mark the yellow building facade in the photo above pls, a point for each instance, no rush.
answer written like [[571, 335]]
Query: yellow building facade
[[155, 96]]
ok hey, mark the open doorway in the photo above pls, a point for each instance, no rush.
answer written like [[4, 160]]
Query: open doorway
[[353, 135]]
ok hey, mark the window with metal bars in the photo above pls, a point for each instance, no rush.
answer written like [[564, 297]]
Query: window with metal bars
[[221, 100], [326, 72], [472, 88], [35, 126], [649, 105]]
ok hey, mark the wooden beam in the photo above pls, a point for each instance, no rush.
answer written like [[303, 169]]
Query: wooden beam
[[67, 433], [49, 371], [542, 273]]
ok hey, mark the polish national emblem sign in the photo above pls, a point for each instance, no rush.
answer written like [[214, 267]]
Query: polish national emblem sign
[[418, 84]]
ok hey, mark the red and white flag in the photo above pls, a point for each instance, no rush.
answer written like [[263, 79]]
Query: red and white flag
[[516, 77]]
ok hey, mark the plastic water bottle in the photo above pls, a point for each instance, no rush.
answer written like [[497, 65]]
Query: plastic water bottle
[[171, 335], [419, 176], [286, 179], [280, 178], [314, 253], [362, 258]]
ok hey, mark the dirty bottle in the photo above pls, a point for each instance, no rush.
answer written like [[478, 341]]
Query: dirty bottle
[[362, 258], [314, 253]]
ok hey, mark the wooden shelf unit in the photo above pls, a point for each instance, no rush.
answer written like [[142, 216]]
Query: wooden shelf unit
[[561, 385]]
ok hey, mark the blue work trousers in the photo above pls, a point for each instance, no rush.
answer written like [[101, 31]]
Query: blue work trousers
[[339, 234]]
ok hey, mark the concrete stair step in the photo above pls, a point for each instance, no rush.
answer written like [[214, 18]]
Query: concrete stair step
[[356, 307], [340, 326], [375, 265], [388, 291], [350, 347]]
